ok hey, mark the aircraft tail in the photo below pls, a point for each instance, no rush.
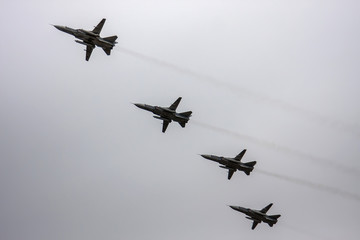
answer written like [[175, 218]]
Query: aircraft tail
[[107, 50], [182, 124], [250, 164], [275, 216], [111, 39], [186, 114]]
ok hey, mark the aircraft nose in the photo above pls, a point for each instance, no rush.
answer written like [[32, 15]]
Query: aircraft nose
[[233, 207], [61, 28], [139, 105], [205, 156], [58, 27]]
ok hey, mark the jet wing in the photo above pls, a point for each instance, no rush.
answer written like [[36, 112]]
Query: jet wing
[[240, 155], [89, 50], [255, 223], [98, 28], [265, 209], [231, 172], [165, 125], [175, 104]]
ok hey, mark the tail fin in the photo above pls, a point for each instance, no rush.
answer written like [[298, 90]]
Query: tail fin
[[275, 216], [186, 114], [111, 39], [250, 164]]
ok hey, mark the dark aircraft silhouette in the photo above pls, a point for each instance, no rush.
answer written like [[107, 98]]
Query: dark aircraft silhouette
[[258, 216], [232, 164], [167, 114], [91, 38]]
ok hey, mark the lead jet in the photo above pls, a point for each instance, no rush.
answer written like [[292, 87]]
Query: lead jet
[[167, 114], [258, 216], [91, 38], [232, 164]]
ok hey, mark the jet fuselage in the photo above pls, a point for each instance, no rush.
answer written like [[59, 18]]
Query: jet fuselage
[[229, 162], [164, 113], [88, 37], [256, 215]]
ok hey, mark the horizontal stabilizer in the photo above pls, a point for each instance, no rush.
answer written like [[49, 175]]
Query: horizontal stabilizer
[[107, 51], [111, 39], [182, 124], [186, 114]]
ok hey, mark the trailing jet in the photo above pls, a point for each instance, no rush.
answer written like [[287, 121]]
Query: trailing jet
[[91, 38], [232, 164], [258, 216], [167, 114]]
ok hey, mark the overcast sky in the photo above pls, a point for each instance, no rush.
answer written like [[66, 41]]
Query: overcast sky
[[279, 78]]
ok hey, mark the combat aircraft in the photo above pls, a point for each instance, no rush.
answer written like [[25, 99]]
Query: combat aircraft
[[232, 164], [91, 38], [258, 216], [167, 114]]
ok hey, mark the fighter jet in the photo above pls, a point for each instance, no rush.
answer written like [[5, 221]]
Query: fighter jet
[[91, 38], [258, 216], [167, 114], [232, 164]]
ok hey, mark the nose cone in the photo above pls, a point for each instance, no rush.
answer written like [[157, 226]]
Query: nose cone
[[206, 156], [233, 207], [61, 28], [240, 209], [139, 105]]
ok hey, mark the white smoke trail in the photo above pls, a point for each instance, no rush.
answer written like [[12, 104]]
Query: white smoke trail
[[241, 91], [313, 185], [302, 231], [322, 161]]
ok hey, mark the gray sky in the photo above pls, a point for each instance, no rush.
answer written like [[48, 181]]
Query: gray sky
[[279, 78]]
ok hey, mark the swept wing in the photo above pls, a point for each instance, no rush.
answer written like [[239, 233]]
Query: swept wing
[[99, 27], [231, 172], [175, 104], [240, 155], [89, 50], [265, 209], [165, 125]]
